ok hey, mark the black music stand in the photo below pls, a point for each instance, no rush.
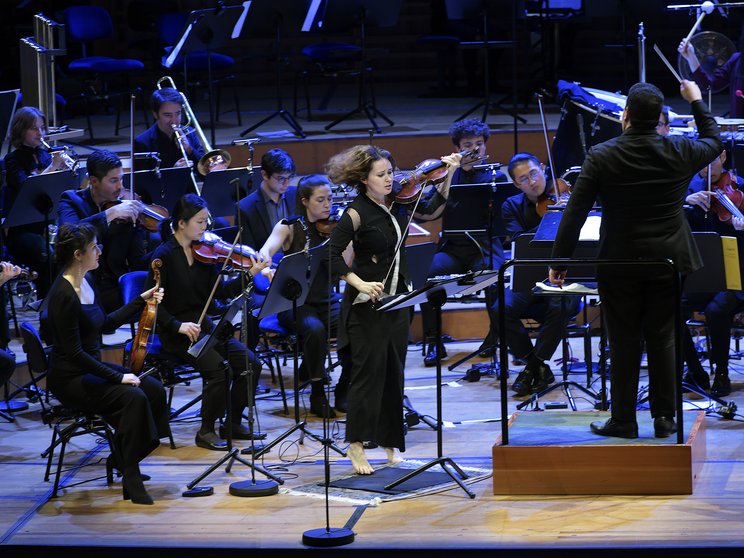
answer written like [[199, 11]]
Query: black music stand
[[435, 292], [161, 186], [289, 289], [37, 203], [207, 30], [345, 15], [219, 189], [276, 15], [473, 9], [262, 488]]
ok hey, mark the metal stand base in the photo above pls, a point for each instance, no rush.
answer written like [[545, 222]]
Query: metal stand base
[[327, 538]]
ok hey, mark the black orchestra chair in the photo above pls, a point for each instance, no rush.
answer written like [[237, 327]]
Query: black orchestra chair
[[66, 423], [84, 25], [169, 368]]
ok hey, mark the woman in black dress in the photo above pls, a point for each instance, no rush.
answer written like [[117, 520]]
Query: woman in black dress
[[379, 340], [188, 283], [135, 408]]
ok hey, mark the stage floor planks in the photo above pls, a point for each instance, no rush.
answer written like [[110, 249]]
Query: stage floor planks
[[94, 514]]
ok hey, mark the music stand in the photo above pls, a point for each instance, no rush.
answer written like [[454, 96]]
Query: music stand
[[289, 288], [208, 30], [162, 187], [471, 9], [265, 488], [275, 15], [8, 103], [37, 201], [436, 291], [346, 14], [219, 189]]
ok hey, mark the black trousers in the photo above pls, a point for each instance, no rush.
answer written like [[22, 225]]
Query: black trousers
[[637, 306], [720, 309], [139, 415], [379, 341]]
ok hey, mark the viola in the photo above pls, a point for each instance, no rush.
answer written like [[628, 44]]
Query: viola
[[429, 171], [212, 249], [145, 327], [727, 199]]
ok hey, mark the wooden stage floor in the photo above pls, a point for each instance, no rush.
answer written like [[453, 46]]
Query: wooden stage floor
[[93, 515]]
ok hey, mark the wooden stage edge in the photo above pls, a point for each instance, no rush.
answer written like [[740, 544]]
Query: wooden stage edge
[[598, 468]]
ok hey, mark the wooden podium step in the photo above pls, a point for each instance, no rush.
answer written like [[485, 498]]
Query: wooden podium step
[[556, 453]]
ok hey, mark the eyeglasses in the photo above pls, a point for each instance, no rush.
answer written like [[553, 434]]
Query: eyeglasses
[[282, 179], [661, 124], [531, 177]]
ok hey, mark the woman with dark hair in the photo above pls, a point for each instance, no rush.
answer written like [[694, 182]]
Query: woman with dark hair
[[190, 282], [319, 315], [135, 408], [29, 158], [378, 340]]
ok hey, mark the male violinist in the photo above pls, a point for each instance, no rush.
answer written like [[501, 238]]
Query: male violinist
[[458, 253], [124, 243], [520, 214], [719, 308]]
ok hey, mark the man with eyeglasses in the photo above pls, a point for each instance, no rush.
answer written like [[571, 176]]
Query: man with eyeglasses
[[642, 180], [520, 215], [662, 127], [271, 202]]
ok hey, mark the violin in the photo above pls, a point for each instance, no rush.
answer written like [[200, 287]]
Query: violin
[[727, 199], [558, 195], [145, 326], [212, 249], [325, 226], [151, 215], [429, 171]]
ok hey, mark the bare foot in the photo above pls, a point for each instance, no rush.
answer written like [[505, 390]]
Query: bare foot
[[359, 459], [393, 456]]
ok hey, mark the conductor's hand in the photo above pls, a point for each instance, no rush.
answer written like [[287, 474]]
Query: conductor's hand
[[129, 210], [557, 277], [130, 379], [701, 199], [373, 289], [190, 330], [155, 292], [690, 91]]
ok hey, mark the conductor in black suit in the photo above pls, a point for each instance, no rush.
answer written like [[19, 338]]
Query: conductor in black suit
[[641, 179], [271, 202]]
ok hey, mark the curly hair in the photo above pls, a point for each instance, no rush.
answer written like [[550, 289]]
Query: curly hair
[[468, 128], [354, 164]]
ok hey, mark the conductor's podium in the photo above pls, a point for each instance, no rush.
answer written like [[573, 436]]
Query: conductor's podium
[[556, 453]]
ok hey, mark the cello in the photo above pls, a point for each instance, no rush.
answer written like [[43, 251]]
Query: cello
[[146, 326]]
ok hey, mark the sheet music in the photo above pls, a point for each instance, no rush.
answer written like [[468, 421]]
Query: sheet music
[[590, 229]]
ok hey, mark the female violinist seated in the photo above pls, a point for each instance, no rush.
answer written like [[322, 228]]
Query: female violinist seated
[[136, 408], [378, 340], [319, 315], [190, 282]]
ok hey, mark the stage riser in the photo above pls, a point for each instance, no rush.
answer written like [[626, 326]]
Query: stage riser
[[621, 469]]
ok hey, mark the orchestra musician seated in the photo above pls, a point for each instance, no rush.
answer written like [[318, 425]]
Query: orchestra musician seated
[[708, 214], [125, 243], [29, 157], [182, 320], [318, 317], [523, 213]]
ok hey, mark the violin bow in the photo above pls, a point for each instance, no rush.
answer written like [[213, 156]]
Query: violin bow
[[217, 281], [131, 145]]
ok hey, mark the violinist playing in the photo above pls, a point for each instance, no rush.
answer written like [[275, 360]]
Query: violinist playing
[[125, 245], [708, 214], [378, 340], [520, 215], [137, 409], [189, 282], [322, 307]]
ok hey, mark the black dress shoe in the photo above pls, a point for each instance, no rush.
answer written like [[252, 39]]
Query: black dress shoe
[[697, 378], [210, 441], [542, 378], [435, 351], [664, 427], [721, 384], [616, 429], [523, 384]]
